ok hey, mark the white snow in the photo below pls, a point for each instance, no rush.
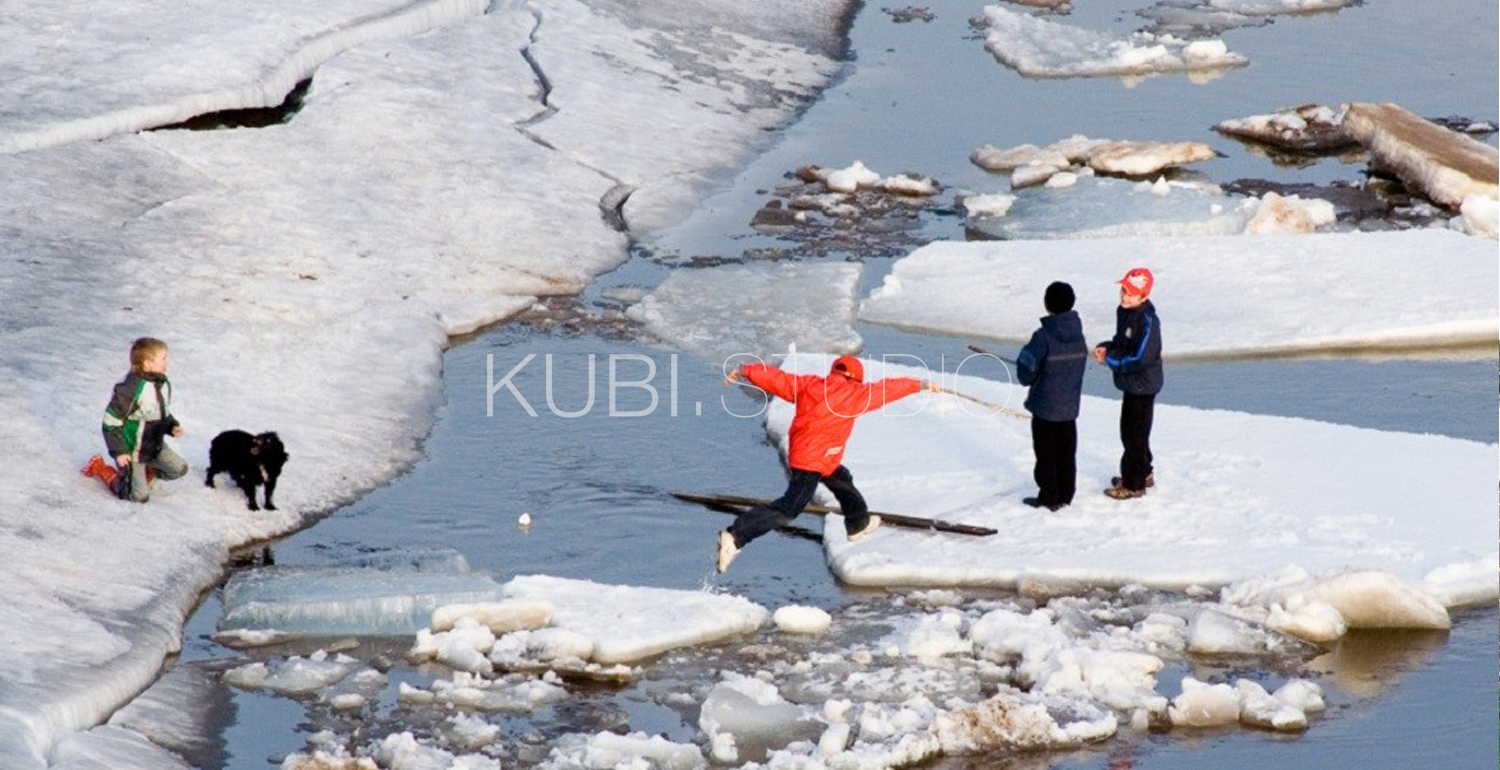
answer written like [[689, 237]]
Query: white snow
[[1037, 47], [755, 309], [1282, 491], [630, 623], [744, 718], [636, 751], [847, 180], [417, 194], [1136, 158], [1481, 215], [1207, 287]]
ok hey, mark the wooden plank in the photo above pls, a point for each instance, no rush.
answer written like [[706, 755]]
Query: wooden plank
[[726, 503]]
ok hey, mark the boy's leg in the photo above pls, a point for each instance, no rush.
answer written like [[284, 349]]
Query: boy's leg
[[1067, 462], [1135, 433], [1045, 443], [851, 502], [758, 521], [168, 464], [133, 485]]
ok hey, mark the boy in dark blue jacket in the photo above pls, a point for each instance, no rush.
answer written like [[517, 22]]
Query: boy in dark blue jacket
[[1134, 356], [1052, 363]]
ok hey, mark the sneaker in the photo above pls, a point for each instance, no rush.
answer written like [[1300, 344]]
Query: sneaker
[[727, 551], [1121, 493], [1115, 481], [1031, 501], [870, 526]]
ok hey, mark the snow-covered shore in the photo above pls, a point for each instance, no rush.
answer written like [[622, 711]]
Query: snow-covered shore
[[448, 166]]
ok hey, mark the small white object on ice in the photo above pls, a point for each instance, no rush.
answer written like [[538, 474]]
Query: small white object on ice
[[525, 520]]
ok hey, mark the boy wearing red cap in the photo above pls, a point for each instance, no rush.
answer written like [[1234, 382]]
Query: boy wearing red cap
[[826, 408], [1134, 357]]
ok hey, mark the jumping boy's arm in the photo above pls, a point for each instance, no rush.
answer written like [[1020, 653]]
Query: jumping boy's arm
[[774, 381], [882, 392], [121, 404]]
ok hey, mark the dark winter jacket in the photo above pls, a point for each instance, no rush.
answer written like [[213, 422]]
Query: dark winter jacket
[[1134, 355], [1052, 363], [138, 416]]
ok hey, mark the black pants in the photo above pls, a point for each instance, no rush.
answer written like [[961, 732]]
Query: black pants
[[1135, 434], [1056, 472], [799, 492]]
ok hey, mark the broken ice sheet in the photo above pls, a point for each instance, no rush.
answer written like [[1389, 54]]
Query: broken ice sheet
[[1100, 207], [1040, 48]]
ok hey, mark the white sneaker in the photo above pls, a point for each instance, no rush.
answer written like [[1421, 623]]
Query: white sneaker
[[870, 526], [727, 551]]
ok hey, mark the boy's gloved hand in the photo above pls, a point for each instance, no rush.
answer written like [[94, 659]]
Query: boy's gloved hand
[[734, 376], [122, 460]]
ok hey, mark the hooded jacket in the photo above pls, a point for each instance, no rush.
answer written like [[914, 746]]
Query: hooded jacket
[[138, 415], [826, 408], [1052, 363], [1134, 355]]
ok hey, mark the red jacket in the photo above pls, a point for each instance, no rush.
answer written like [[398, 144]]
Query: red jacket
[[826, 408]]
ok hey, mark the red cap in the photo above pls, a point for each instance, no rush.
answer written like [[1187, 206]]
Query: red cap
[[850, 367], [1137, 282]]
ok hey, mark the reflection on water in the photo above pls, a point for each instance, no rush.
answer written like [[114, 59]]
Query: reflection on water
[[1366, 663]]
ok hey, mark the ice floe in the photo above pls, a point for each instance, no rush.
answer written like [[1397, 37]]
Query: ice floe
[[1038, 47], [758, 309], [1277, 491], [1207, 287], [1444, 165], [1309, 128]]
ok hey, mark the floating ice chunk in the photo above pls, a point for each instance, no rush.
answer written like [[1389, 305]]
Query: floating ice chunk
[[1306, 618], [907, 184], [1445, 165], [1309, 128], [346, 600], [499, 618], [349, 701], [761, 309], [1037, 47], [628, 623], [1259, 709], [327, 758], [1215, 633], [1301, 694], [928, 636], [1374, 599], [834, 740], [745, 718], [1204, 705], [402, 751], [1465, 583], [1180, 17], [1276, 7], [982, 206], [1161, 631], [847, 180], [636, 751], [1007, 721], [1032, 175], [295, 675], [1076, 148], [1100, 207], [1481, 215], [795, 619], [1290, 214], [1132, 158], [990, 289], [514, 693], [991, 158], [1062, 179]]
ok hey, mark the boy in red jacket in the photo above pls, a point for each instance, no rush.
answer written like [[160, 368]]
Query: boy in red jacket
[[826, 408]]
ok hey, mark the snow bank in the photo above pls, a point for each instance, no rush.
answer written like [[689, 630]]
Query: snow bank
[[1207, 287], [759, 309], [306, 275], [1236, 495], [1037, 47]]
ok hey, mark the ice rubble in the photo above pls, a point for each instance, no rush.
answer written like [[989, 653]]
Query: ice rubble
[[1209, 494], [1037, 47], [408, 199], [1209, 286], [1308, 128], [1030, 164], [757, 309]]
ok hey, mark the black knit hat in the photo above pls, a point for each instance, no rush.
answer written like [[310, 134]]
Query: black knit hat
[[1059, 298]]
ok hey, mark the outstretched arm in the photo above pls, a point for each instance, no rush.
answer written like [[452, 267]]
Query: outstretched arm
[[774, 381]]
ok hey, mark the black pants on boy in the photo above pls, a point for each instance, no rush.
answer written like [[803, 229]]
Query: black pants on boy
[[1135, 433], [1056, 472], [799, 492]]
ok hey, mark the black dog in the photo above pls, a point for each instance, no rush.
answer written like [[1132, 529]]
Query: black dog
[[249, 460]]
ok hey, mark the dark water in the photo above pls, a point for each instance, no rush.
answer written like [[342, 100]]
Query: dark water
[[919, 97]]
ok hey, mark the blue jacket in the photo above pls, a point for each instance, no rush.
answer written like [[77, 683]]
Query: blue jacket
[[1134, 355], [1052, 363]]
